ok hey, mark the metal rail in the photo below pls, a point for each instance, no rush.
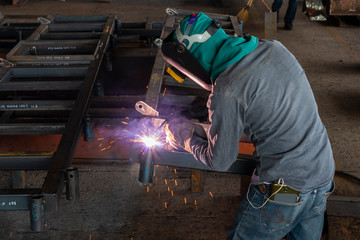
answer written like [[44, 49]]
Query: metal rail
[[50, 84], [61, 40], [62, 158]]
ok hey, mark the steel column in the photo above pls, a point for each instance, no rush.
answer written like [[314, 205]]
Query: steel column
[[37, 213]]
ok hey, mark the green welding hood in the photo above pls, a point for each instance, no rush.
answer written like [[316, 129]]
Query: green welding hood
[[200, 49]]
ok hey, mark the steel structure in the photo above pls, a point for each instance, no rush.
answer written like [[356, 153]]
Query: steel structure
[[14, 28], [48, 91]]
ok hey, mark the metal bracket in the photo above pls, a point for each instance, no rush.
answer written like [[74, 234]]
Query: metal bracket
[[43, 20], [171, 11], [5, 63], [158, 42], [145, 109]]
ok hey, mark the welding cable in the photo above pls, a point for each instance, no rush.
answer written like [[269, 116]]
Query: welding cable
[[280, 181]]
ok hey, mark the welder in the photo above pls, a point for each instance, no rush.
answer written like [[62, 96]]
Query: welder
[[257, 88]]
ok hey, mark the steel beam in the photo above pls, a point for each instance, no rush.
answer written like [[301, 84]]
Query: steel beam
[[244, 165], [36, 105], [70, 36], [5, 74], [154, 87], [19, 199], [40, 86], [79, 71], [76, 27], [62, 159], [79, 19], [31, 128], [51, 60], [25, 161]]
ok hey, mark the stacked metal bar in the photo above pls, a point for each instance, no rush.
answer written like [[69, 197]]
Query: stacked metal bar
[[47, 91], [14, 28]]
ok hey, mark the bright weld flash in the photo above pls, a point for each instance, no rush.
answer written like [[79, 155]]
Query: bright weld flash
[[150, 141]]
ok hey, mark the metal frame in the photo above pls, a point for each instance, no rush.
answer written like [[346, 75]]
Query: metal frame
[[45, 73], [61, 160], [61, 40], [14, 28], [27, 82]]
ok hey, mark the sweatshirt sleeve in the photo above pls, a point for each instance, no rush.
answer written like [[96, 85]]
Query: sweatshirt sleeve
[[218, 147]]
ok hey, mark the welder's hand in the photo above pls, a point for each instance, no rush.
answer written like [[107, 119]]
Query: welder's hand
[[179, 132]]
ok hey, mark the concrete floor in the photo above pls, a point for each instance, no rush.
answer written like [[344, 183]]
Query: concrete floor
[[114, 206]]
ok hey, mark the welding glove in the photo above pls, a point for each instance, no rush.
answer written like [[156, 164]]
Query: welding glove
[[179, 132]]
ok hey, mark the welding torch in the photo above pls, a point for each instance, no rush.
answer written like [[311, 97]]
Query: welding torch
[[147, 110], [146, 159]]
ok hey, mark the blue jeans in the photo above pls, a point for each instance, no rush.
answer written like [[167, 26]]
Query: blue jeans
[[290, 12], [301, 220]]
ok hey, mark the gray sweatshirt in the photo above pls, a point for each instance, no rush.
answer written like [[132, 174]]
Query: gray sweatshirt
[[267, 96]]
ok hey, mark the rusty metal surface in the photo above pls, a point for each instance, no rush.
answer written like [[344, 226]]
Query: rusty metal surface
[[270, 25], [344, 7]]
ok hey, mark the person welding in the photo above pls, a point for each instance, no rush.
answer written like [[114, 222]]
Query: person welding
[[257, 88]]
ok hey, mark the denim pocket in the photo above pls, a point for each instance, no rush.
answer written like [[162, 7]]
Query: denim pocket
[[278, 215], [319, 205]]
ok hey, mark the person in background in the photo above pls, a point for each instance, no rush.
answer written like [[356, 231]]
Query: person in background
[[290, 12]]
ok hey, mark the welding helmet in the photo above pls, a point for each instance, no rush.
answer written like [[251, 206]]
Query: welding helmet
[[191, 48]]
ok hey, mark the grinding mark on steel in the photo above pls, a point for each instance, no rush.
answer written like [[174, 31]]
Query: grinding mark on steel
[[343, 43]]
